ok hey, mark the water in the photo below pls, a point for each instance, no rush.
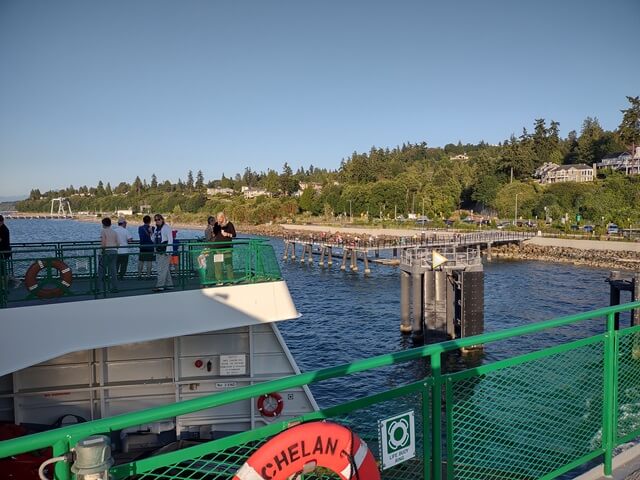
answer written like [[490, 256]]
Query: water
[[347, 316]]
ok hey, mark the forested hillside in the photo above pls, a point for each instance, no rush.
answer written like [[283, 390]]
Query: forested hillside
[[385, 182]]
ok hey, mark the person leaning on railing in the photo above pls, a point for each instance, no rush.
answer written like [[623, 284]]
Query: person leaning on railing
[[162, 238]]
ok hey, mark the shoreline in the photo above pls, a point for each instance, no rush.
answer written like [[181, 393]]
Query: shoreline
[[612, 255]]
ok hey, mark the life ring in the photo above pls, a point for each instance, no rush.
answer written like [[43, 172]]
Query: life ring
[[305, 447], [62, 283], [270, 405]]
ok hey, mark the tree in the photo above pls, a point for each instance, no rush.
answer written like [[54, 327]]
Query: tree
[[137, 185], [107, 190], [100, 192], [154, 181], [190, 180], [288, 183], [199, 180], [590, 137], [629, 129]]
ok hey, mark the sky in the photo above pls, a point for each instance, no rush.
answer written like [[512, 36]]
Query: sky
[[94, 90]]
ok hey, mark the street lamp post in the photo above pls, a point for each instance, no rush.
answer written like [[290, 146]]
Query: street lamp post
[[350, 214], [423, 206], [515, 217]]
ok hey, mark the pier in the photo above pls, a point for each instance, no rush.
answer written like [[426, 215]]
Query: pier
[[387, 251], [41, 216]]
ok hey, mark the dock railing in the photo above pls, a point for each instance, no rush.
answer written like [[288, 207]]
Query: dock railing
[[536, 415], [37, 272]]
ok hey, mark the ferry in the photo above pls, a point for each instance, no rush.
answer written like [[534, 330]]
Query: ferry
[[73, 350], [147, 369]]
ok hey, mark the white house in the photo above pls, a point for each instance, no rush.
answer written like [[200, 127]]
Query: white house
[[553, 173], [219, 191], [622, 162], [251, 192]]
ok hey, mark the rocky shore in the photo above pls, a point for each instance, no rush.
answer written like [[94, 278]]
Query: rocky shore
[[609, 259]]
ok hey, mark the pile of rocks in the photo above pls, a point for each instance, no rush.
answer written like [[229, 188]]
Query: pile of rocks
[[610, 259]]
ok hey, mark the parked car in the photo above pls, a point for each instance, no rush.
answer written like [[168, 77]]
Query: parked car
[[422, 220], [502, 225], [588, 229], [612, 229], [575, 227]]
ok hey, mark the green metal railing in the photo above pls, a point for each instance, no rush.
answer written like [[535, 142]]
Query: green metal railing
[[533, 416], [194, 264]]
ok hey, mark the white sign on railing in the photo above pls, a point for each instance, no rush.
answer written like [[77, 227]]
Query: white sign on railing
[[397, 439]]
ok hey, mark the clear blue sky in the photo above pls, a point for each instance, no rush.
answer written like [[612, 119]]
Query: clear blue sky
[[109, 90]]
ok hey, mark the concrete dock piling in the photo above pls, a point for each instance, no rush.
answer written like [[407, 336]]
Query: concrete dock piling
[[405, 320]]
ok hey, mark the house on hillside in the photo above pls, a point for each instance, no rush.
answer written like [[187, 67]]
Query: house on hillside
[[623, 162], [553, 173], [462, 156], [219, 191], [251, 192]]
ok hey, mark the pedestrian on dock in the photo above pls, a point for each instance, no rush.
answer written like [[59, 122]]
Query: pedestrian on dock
[[124, 238], [228, 231], [162, 239], [146, 256], [108, 256]]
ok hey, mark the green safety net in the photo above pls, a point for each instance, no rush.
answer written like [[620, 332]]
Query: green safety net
[[219, 465], [629, 384], [527, 420]]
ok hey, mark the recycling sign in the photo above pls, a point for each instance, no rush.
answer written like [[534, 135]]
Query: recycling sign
[[397, 439]]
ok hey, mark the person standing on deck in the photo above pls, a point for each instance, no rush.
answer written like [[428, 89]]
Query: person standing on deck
[[109, 254], [145, 231], [124, 237], [229, 233], [5, 249], [208, 232], [162, 238]]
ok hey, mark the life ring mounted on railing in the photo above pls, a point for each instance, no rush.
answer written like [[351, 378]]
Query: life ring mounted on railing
[[50, 286], [270, 405], [305, 447]]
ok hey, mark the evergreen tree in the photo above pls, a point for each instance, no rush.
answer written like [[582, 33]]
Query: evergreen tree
[[590, 137], [199, 180], [154, 181], [190, 180], [629, 129], [100, 192], [137, 185], [107, 190]]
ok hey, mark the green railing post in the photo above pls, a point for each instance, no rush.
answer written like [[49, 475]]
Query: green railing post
[[436, 415], [426, 432], [608, 405], [62, 469]]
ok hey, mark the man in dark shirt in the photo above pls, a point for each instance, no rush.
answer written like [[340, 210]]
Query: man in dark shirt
[[229, 233], [228, 230], [5, 250]]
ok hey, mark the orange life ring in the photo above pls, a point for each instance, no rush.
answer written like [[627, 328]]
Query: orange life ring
[[63, 283], [266, 405], [304, 447]]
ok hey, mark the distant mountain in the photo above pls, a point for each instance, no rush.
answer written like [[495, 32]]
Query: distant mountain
[[13, 198]]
